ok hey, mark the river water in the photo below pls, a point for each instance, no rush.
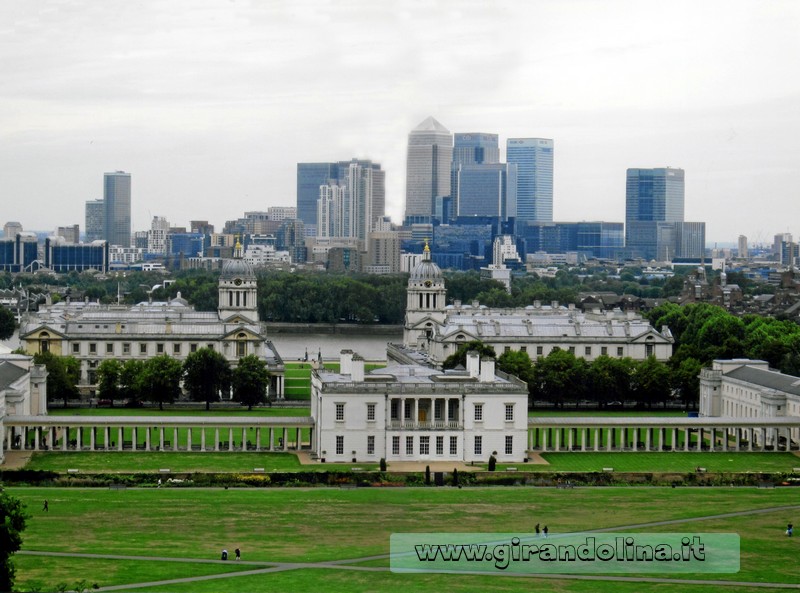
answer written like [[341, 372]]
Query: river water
[[294, 346]]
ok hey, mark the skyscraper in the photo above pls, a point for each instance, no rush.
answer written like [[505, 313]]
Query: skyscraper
[[475, 170], [475, 148], [653, 197], [428, 168], [117, 208], [95, 219], [534, 160], [309, 177]]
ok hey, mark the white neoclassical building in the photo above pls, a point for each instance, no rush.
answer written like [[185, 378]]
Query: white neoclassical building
[[743, 388], [410, 412], [437, 328], [92, 332], [23, 390]]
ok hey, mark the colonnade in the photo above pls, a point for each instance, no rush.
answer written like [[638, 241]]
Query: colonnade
[[425, 412]]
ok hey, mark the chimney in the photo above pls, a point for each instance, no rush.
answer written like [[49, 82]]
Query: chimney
[[473, 364], [457, 303], [357, 371], [346, 362], [537, 304], [554, 305], [487, 369]]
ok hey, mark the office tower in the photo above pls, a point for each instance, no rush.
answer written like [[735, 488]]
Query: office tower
[[291, 237], [157, 235], [201, 226], [95, 219], [534, 160], [742, 251], [778, 241], [11, 230], [475, 148], [654, 202], [330, 210], [117, 210], [485, 190], [281, 212], [61, 255], [428, 169], [309, 177], [690, 240]]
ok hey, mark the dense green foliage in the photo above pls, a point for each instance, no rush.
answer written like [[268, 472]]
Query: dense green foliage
[[161, 379], [206, 375], [7, 323], [250, 381], [63, 374], [12, 524]]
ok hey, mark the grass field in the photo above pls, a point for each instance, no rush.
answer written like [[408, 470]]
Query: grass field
[[191, 526]]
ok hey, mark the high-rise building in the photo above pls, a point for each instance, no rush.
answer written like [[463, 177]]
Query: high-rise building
[[485, 189], [11, 230], [309, 177], [654, 210], [534, 160], [475, 148], [71, 233], [428, 169], [157, 235], [95, 219], [742, 251], [117, 200]]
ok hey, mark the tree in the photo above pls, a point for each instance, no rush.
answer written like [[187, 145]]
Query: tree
[[12, 524], [610, 379], [686, 382], [651, 382], [108, 379], [206, 374], [63, 373], [130, 380], [161, 380], [7, 323], [560, 376], [460, 355], [517, 363], [250, 381]]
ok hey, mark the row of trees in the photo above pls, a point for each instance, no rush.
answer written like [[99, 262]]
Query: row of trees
[[561, 377], [205, 375]]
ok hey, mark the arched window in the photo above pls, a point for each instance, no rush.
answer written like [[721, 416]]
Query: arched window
[[44, 342], [241, 344]]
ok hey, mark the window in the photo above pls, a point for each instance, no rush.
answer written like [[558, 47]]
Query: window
[[370, 411], [523, 349], [92, 348], [409, 445], [109, 348], [619, 351], [407, 411], [509, 412], [424, 445], [440, 445], [176, 349], [509, 445], [393, 409], [76, 348], [241, 346], [588, 351], [539, 350], [126, 348], [507, 349], [370, 445], [210, 346], [192, 347], [478, 445], [395, 445], [159, 348], [437, 409], [339, 412], [649, 350], [604, 350], [142, 349], [339, 445], [478, 412], [572, 349], [453, 445]]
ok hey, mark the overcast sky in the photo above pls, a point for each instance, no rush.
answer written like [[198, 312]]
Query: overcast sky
[[211, 104]]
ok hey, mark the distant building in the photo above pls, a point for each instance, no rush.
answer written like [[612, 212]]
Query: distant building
[[11, 230], [485, 190], [428, 167], [23, 392], [604, 240], [383, 253], [117, 208], [309, 177], [95, 219], [62, 256], [19, 254], [533, 158], [71, 233], [157, 236], [742, 251]]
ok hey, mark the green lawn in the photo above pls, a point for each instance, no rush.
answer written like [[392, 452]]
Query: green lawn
[[235, 412], [665, 462], [314, 525]]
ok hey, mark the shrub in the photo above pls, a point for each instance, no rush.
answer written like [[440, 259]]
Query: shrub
[[492, 463]]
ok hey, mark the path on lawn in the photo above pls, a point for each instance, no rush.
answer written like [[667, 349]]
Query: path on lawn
[[348, 563]]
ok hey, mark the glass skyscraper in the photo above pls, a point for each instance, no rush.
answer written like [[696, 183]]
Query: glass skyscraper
[[534, 160], [654, 202], [428, 169], [117, 208], [309, 177]]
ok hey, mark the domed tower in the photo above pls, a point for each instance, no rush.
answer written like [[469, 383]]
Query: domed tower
[[238, 289], [425, 305]]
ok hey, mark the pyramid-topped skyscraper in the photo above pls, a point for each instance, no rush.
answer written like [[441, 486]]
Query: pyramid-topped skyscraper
[[430, 153]]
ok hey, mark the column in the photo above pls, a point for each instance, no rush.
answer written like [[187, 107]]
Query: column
[[558, 439], [570, 438], [609, 436], [134, 437], [147, 439], [230, 439], [402, 412], [244, 439], [216, 439], [78, 436], [64, 437], [189, 438], [161, 438], [107, 437], [648, 438], [298, 436], [750, 435], [37, 438], [271, 438], [175, 439], [92, 438], [661, 434], [737, 434], [120, 434], [596, 439], [686, 439], [203, 439], [258, 438], [545, 431], [285, 439]]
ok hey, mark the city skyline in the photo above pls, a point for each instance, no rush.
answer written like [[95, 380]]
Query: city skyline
[[211, 106]]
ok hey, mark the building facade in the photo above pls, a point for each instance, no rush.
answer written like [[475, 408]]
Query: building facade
[[409, 412], [533, 158], [62, 256], [23, 391]]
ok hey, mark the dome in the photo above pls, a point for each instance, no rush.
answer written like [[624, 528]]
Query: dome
[[237, 268], [426, 269]]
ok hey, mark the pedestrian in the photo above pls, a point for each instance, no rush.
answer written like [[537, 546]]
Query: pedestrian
[[238, 554], [545, 530], [538, 531], [46, 508], [159, 482], [224, 554], [789, 527]]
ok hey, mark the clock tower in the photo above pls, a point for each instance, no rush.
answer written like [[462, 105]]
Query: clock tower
[[238, 289], [426, 301]]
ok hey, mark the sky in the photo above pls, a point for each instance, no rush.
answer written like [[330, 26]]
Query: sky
[[210, 105]]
